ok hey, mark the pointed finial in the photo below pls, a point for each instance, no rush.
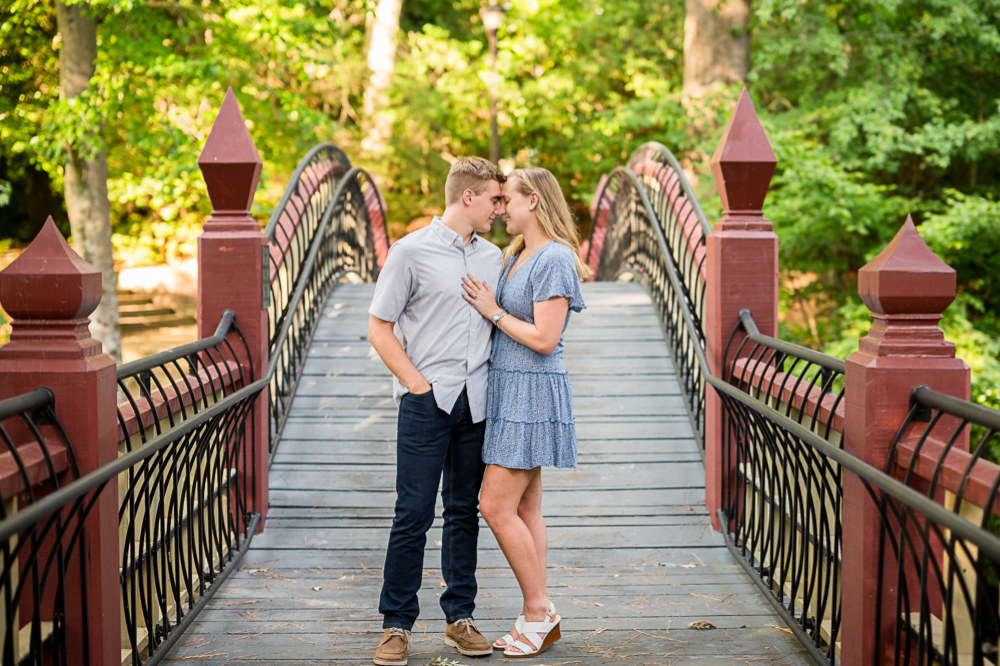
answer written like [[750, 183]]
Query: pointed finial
[[49, 281], [907, 277], [743, 162], [229, 161]]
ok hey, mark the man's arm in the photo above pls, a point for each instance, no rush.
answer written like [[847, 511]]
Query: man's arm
[[394, 356]]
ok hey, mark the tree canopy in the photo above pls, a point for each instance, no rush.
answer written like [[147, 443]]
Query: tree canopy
[[876, 109]]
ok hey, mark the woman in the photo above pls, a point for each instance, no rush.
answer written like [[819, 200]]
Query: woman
[[529, 411]]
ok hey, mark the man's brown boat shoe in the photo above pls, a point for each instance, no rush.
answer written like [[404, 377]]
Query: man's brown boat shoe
[[464, 636], [392, 650]]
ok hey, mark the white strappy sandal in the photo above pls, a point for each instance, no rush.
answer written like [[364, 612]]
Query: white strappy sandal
[[508, 640], [532, 632]]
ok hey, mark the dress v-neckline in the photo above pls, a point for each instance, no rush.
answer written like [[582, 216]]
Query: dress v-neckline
[[513, 272]]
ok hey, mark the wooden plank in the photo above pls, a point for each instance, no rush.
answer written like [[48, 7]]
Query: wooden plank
[[554, 497], [584, 385], [582, 351], [610, 477], [631, 554], [348, 451], [640, 405], [373, 367]]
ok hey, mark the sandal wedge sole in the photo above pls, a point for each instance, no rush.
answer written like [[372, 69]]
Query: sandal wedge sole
[[468, 653], [549, 639]]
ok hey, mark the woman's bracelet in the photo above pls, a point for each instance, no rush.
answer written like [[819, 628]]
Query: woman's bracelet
[[498, 317]]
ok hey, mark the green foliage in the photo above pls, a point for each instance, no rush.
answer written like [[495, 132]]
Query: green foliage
[[582, 83], [162, 70], [878, 110]]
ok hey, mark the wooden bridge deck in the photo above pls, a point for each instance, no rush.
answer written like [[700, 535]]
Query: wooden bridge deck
[[633, 557]]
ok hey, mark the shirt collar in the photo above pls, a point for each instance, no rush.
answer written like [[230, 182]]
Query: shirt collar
[[449, 236]]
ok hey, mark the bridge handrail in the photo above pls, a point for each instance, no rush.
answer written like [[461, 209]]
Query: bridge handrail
[[290, 342], [783, 415], [38, 456], [144, 466], [293, 181], [660, 151], [682, 341]]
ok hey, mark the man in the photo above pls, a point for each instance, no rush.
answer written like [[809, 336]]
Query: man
[[437, 347]]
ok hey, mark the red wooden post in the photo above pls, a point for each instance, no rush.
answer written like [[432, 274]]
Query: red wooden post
[[50, 291], [231, 271], [906, 287], [742, 268]]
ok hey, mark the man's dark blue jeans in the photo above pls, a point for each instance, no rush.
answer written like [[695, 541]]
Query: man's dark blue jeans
[[430, 442]]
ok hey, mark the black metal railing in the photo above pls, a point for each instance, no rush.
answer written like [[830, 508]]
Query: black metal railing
[[42, 574], [938, 584], [781, 497], [184, 508], [329, 223], [188, 430], [782, 411], [648, 222]]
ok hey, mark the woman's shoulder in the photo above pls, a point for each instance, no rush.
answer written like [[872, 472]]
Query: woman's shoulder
[[556, 252]]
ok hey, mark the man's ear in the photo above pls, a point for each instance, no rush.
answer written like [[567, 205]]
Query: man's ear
[[467, 197]]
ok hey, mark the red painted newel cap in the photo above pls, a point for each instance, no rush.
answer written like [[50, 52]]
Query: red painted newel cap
[[907, 277], [744, 162], [229, 162], [49, 280]]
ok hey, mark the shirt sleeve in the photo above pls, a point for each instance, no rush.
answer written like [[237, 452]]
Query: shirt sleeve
[[394, 286], [557, 276]]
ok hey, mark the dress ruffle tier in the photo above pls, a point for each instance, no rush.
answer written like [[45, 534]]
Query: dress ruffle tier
[[529, 420]]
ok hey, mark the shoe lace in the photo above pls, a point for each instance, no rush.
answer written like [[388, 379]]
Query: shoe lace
[[396, 631], [468, 624]]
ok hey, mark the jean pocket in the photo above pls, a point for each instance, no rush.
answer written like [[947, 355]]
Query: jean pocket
[[425, 397]]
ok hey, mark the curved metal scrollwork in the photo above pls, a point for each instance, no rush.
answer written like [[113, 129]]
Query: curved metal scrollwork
[[646, 215], [329, 223]]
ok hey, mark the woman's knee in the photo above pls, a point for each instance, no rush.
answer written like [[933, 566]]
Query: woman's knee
[[494, 510]]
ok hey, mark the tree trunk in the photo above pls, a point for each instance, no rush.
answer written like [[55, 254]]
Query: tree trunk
[[716, 43], [381, 62], [86, 180]]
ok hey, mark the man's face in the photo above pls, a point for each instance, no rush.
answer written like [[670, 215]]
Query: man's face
[[482, 208]]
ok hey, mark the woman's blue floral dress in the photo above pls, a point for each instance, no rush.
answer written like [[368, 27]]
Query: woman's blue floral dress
[[529, 405]]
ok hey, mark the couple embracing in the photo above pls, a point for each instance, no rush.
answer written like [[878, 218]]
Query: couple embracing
[[481, 411]]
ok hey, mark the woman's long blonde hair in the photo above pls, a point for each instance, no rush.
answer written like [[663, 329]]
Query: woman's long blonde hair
[[553, 213]]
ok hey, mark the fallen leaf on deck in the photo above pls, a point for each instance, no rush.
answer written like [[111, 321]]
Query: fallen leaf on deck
[[441, 661], [701, 624], [588, 603], [317, 588], [689, 565]]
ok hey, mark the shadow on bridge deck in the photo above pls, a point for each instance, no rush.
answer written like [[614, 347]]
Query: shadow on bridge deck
[[633, 557]]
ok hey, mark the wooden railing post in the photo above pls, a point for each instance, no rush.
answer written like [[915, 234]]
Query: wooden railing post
[[50, 291], [906, 288], [232, 274], [742, 270]]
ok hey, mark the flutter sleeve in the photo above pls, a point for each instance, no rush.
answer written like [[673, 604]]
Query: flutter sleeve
[[556, 276]]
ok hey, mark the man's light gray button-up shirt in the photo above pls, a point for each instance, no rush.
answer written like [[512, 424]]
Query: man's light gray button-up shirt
[[420, 288]]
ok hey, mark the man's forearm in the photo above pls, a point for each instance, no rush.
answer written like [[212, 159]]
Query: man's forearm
[[394, 356]]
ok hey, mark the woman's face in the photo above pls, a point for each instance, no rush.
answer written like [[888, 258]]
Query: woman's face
[[520, 208]]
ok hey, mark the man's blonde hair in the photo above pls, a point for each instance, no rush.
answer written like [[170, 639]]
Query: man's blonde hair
[[470, 173]]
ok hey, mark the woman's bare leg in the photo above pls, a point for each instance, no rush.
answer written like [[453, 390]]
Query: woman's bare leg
[[530, 512], [503, 491]]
